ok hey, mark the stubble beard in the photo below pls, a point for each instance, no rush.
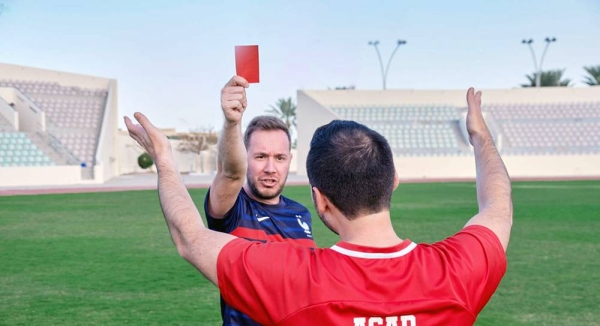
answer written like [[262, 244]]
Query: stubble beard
[[262, 195]]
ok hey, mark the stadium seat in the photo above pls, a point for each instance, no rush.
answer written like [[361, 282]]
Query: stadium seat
[[551, 128]]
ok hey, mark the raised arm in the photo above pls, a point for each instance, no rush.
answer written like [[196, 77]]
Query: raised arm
[[493, 182], [231, 161], [195, 243]]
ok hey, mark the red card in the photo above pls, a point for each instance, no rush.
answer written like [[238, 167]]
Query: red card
[[246, 62]]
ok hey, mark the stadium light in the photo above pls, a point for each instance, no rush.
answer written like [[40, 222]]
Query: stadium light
[[538, 69], [387, 68]]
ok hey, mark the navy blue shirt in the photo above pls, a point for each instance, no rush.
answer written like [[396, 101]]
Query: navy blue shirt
[[287, 221]]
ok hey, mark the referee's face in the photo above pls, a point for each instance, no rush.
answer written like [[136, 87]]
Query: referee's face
[[269, 160]]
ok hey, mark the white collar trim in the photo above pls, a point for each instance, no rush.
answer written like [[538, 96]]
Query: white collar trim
[[374, 255]]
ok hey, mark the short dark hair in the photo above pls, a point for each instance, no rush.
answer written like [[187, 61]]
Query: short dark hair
[[266, 123], [353, 166]]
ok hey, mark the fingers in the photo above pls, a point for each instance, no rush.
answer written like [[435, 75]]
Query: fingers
[[233, 90], [473, 98], [146, 124], [132, 128], [143, 129], [128, 123], [233, 105], [150, 129], [136, 132], [234, 97], [233, 93], [237, 81], [470, 95]]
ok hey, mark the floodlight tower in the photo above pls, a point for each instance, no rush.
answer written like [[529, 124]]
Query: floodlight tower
[[538, 69], [385, 72]]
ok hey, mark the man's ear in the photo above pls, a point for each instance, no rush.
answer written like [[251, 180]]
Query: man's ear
[[320, 200], [396, 180]]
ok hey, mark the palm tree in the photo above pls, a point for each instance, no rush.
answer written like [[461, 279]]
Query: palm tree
[[548, 78], [594, 75], [285, 109]]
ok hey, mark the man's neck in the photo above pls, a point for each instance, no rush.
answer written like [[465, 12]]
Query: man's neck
[[373, 230]]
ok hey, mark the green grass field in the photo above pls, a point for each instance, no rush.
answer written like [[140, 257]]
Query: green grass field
[[107, 258]]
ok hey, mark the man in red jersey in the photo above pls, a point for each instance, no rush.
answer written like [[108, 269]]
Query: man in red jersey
[[372, 276]]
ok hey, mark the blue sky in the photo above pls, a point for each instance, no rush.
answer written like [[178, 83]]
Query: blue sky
[[171, 58]]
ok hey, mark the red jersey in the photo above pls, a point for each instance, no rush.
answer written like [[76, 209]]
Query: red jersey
[[444, 283]]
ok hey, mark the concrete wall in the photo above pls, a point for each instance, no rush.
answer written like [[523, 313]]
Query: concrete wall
[[40, 176], [8, 112], [294, 164], [30, 116], [8, 94], [130, 150], [310, 115], [107, 153], [551, 166], [8, 71]]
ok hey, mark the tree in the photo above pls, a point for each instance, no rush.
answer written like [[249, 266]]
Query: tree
[[197, 141], [145, 161], [285, 109], [594, 75], [548, 78]]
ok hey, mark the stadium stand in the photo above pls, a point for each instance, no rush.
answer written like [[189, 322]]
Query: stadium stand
[[69, 126], [551, 128], [412, 130], [547, 132], [16, 149], [528, 129], [73, 116], [65, 120], [5, 125]]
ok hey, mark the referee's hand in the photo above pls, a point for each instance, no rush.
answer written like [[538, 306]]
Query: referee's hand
[[150, 138], [475, 123]]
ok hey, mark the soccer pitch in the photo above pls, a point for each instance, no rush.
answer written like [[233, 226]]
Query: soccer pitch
[[107, 258]]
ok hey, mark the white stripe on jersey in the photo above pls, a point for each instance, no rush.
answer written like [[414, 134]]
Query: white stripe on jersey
[[374, 255]]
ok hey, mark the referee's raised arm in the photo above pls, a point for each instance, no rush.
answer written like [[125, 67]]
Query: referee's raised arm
[[195, 243], [493, 183]]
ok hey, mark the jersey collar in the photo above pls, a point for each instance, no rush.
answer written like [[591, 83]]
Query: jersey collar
[[357, 251]]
